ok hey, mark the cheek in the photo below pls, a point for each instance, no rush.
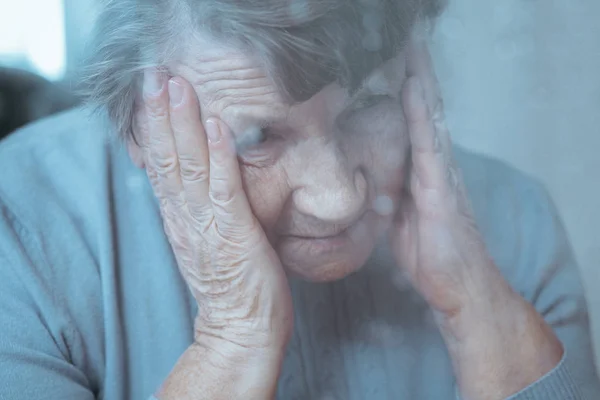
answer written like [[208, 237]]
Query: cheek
[[267, 193], [385, 145]]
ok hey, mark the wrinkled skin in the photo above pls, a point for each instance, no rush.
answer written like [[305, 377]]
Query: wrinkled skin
[[321, 165], [325, 166], [322, 168], [307, 199]]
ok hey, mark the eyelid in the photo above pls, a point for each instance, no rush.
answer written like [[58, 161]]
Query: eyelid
[[262, 136], [368, 100]]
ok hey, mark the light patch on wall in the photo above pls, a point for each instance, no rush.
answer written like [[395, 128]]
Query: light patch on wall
[[33, 36]]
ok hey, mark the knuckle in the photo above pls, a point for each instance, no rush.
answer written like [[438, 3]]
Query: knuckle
[[164, 165], [238, 239], [201, 217], [178, 200], [154, 182], [204, 221], [193, 173], [221, 205], [222, 195], [232, 254], [171, 214], [227, 242]]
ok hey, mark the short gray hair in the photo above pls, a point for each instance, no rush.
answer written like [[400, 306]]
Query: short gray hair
[[305, 44]]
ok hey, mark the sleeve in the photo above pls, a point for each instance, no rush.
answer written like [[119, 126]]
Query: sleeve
[[548, 277], [34, 340]]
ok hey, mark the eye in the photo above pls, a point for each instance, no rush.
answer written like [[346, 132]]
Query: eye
[[256, 140], [366, 102], [252, 138], [259, 147]]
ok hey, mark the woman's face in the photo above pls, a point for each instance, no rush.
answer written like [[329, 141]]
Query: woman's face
[[324, 176]]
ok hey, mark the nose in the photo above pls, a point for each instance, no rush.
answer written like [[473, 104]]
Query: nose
[[327, 186]]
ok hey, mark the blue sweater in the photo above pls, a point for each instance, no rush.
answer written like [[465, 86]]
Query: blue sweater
[[92, 305]]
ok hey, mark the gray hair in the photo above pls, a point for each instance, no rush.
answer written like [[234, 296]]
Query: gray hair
[[304, 44]]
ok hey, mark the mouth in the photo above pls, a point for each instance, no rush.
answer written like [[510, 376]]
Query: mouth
[[336, 251], [322, 236], [328, 232], [332, 238], [319, 245]]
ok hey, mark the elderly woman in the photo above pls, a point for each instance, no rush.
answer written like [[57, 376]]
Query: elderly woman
[[289, 221]]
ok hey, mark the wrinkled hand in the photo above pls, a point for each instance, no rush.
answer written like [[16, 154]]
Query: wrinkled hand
[[498, 343], [435, 239], [221, 250]]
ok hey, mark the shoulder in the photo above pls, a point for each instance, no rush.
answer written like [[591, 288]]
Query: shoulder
[[53, 196], [52, 172], [54, 203], [487, 177], [57, 193], [59, 176], [520, 223], [55, 163]]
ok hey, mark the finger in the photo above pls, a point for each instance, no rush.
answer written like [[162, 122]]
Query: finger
[[192, 148], [427, 157], [420, 64], [231, 209], [161, 155]]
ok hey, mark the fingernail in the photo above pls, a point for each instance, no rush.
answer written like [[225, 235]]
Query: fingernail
[[153, 82], [175, 93], [212, 131]]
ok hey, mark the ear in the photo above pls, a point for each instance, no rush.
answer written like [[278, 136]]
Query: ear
[[136, 153]]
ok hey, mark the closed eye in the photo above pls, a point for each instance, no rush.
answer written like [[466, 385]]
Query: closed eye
[[364, 103], [369, 101]]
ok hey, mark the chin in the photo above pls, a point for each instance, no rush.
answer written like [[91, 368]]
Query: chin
[[332, 270]]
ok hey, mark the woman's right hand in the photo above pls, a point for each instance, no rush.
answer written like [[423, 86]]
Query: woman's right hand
[[221, 250]]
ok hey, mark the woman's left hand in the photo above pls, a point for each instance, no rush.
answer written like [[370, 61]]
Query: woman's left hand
[[498, 343], [435, 236]]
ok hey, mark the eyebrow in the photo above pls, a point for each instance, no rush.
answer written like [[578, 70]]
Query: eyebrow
[[265, 121]]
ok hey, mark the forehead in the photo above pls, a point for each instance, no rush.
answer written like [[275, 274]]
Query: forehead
[[225, 77], [234, 84]]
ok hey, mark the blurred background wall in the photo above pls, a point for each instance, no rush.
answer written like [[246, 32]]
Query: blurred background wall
[[32, 36], [521, 80]]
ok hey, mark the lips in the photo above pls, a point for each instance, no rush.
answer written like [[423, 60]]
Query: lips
[[322, 258], [321, 234], [325, 232]]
